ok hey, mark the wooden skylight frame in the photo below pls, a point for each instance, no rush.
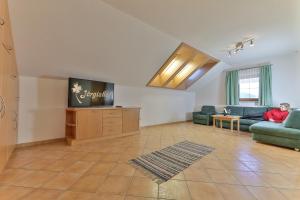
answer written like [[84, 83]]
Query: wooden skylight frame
[[184, 67]]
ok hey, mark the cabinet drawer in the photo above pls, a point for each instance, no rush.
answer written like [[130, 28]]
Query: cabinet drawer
[[112, 121], [112, 130], [112, 113]]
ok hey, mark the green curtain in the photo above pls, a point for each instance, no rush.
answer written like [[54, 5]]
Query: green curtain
[[265, 86], [232, 88]]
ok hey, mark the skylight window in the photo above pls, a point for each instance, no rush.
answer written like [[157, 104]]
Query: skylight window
[[184, 63]]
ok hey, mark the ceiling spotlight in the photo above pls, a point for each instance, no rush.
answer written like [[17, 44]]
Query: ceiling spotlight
[[251, 43], [240, 46]]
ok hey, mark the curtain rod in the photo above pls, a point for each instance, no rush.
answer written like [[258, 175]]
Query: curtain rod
[[248, 66]]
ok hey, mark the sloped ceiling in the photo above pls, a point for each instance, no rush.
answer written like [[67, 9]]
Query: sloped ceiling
[[87, 39], [126, 41], [213, 25]]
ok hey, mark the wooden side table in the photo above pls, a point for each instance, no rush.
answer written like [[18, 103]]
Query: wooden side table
[[230, 118]]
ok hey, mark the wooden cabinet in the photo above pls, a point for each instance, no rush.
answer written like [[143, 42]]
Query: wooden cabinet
[[131, 119], [8, 88], [88, 124], [112, 122]]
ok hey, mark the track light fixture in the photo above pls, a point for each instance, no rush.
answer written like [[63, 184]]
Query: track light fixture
[[239, 46]]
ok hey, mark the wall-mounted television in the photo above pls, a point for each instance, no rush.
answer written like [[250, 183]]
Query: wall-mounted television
[[88, 93]]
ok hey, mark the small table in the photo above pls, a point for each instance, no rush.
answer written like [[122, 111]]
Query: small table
[[231, 118]]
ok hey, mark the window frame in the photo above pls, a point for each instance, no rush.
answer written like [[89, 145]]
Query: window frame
[[247, 99]]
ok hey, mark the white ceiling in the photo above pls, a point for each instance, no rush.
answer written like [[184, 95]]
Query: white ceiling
[[126, 41], [213, 25]]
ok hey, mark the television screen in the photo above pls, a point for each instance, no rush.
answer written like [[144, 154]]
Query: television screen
[[88, 93]]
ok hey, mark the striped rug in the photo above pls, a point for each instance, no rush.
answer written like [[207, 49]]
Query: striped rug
[[166, 163]]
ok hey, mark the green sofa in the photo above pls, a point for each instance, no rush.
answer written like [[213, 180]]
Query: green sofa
[[204, 117], [285, 134], [249, 116]]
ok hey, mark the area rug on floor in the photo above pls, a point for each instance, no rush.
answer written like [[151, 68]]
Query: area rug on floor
[[166, 163]]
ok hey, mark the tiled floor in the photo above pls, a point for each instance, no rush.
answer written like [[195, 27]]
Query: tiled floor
[[239, 169]]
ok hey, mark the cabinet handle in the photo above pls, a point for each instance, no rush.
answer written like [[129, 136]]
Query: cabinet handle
[[2, 110], [2, 22]]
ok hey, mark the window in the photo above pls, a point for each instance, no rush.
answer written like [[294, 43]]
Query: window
[[249, 84]]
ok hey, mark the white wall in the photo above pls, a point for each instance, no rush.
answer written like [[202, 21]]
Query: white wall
[[43, 102], [210, 89], [41, 109], [286, 81], [158, 105]]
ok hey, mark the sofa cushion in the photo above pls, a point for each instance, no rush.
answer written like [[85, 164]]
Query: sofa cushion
[[248, 122], [236, 110], [293, 120], [254, 112], [275, 129]]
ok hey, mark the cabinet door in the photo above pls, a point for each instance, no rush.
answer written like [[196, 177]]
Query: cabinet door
[[5, 28], [2, 18], [89, 124], [131, 120], [112, 126], [3, 132]]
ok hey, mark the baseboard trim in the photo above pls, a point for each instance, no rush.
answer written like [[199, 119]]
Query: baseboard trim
[[168, 123], [36, 143]]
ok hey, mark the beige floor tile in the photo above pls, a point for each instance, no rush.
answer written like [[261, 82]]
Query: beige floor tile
[[110, 197], [290, 194], [264, 193], [92, 157], [101, 168], [18, 162], [71, 195], [13, 192], [38, 164], [276, 180], [144, 187], [222, 176], [235, 192], [123, 170], [196, 174], [115, 185], [250, 178], [88, 183], [235, 165], [79, 167], [207, 191], [75, 155], [124, 158], [42, 194], [138, 198], [179, 176], [62, 181], [212, 164], [35, 179], [293, 178], [110, 157], [53, 155], [139, 173], [174, 190], [11, 176], [59, 165]]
